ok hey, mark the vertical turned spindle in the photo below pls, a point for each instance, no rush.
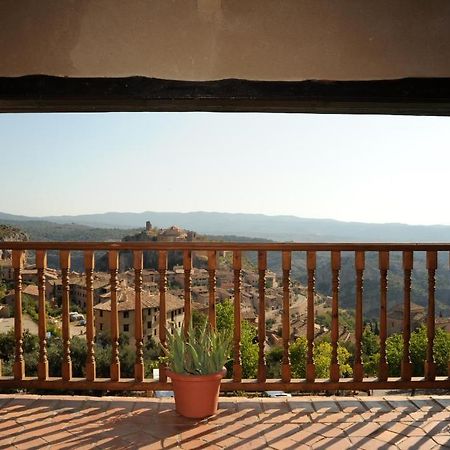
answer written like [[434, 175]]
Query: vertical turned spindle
[[89, 263], [430, 364], [64, 262], [262, 267], [406, 366], [311, 269], [187, 266], [358, 370], [18, 257], [113, 260], [41, 264], [383, 263], [138, 331], [286, 329], [162, 270], [335, 269], [237, 269], [212, 265]]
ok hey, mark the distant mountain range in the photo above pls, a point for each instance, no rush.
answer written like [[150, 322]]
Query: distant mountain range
[[278, 228]]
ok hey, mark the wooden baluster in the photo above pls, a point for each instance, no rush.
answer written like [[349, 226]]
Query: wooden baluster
[[262, 267], [113, 259], [64, 262], [41, 264], [237, 268], [311, 268], [358, 370], [187, 266], [138, 331], [383, 263], [335, 269], [18, 257], [286, 363], [162, 269], [89, 263], [406, 366], [430, 364], [212, 265]]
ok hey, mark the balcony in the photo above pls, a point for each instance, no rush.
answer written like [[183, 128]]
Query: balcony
[[274, 423]]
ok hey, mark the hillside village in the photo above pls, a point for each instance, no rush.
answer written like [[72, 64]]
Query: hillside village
[[199, 295], [175, 292]]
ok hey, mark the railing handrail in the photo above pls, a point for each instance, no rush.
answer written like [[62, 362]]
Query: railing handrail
[[219, 245]]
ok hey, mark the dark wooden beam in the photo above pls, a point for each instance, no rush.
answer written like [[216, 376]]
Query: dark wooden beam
[[39, 93]]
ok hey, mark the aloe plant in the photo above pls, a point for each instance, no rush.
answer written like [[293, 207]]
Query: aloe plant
[[201, 352]]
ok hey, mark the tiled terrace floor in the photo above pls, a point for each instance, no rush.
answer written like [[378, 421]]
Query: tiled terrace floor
[[39, 422]]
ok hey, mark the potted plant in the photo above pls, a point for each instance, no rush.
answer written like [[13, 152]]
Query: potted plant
[[196, 366]]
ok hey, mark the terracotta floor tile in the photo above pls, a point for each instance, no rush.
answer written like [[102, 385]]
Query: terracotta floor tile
[[434, 428], [444, 401], [362, 429], [341, 443], [370, 443], [300, 406], [349, 405], [387, 436], [416, 443], [442, 440], [325, 406], [425, 403], [336, 417]]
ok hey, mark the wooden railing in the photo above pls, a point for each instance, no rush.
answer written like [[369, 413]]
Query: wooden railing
[[261, 383]]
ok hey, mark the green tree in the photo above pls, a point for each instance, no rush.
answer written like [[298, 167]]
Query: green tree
[[322, 359], [394, 352], [249, 350], [370, 349]]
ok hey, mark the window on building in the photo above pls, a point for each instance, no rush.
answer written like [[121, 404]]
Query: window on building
[[126, 327], [101, 313], [101, 327], [126, 314], [149, 324], [155, 332]]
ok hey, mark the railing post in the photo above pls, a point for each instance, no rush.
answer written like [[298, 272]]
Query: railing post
[[212, 265], [138, 332], [430, 364], [41, 264], [335, 268], [113, 260], [89, 263], [162, 269], [18, 257], [383, 263], [187, 267], [406, 366], [262, 267], [237, 367], [286, 329], [311, 269], [358, 370]]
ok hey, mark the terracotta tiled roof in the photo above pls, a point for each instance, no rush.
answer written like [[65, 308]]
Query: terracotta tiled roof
[[126, 301]]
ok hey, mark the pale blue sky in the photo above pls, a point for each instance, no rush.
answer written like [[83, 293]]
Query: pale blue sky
[[361, 168]]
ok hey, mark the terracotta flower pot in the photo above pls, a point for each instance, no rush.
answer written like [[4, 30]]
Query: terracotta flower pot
[[196, 396]]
